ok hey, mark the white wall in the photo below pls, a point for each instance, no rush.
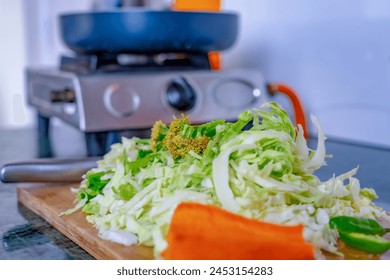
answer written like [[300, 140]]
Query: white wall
[[29, 38], [42, 30], [335, 54], [13, 111]]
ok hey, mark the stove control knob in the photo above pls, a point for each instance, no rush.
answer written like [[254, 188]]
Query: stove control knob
[[181, 95]]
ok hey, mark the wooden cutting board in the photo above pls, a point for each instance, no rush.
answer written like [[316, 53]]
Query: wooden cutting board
[[49, 201]]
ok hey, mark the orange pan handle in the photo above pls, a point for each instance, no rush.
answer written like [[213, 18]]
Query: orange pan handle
[[299, 114], [202, 5]]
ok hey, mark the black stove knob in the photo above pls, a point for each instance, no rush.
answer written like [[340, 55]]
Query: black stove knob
[[181, 95]]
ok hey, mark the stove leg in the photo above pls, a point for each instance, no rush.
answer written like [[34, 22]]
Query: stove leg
[[99, 143], [112, 138], [44, 146], [96, 143]]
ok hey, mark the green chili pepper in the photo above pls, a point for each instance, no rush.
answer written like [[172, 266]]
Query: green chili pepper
[[369, 243], [360, 225]]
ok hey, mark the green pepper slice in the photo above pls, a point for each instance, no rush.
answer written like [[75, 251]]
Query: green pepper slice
[[359, 225], [369, 243]]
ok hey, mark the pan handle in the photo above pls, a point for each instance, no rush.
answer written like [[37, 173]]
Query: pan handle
[[202, 5], [299, 113], [47, 170]]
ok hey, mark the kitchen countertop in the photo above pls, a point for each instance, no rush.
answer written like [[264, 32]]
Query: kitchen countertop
[[25, 235]]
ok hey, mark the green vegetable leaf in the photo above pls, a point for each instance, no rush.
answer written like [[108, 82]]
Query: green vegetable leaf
[[125, 191], [91, 208], [94, 186], [143, 153], [135, 166]]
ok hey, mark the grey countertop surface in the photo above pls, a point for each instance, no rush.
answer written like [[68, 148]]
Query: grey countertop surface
[[25, 235]]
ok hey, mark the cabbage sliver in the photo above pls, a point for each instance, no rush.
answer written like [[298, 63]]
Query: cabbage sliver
[[264, 172]]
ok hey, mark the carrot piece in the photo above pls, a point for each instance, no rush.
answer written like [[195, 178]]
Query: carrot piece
[[201, 232]]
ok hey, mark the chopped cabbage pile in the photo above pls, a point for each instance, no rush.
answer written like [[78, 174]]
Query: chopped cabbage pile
[[263, 172]]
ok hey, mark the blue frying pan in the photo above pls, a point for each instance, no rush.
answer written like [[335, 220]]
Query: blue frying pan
[[147, 31]]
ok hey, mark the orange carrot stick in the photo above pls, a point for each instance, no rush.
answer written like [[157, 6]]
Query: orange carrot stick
[[201, 232]]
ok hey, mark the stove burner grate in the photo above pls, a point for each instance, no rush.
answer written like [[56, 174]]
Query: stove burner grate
[[86, 64]]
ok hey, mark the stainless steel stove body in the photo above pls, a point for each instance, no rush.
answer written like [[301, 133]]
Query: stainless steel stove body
[[106, 105], [132, 67]]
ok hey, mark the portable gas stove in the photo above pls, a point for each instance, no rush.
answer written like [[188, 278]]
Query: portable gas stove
[[131, 68], [108, 89], [106, 104]]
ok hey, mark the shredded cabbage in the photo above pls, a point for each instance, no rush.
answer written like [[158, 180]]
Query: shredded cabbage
[[264, 172]]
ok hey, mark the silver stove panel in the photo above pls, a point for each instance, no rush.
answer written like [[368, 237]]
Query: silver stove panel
[[122, 101]]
